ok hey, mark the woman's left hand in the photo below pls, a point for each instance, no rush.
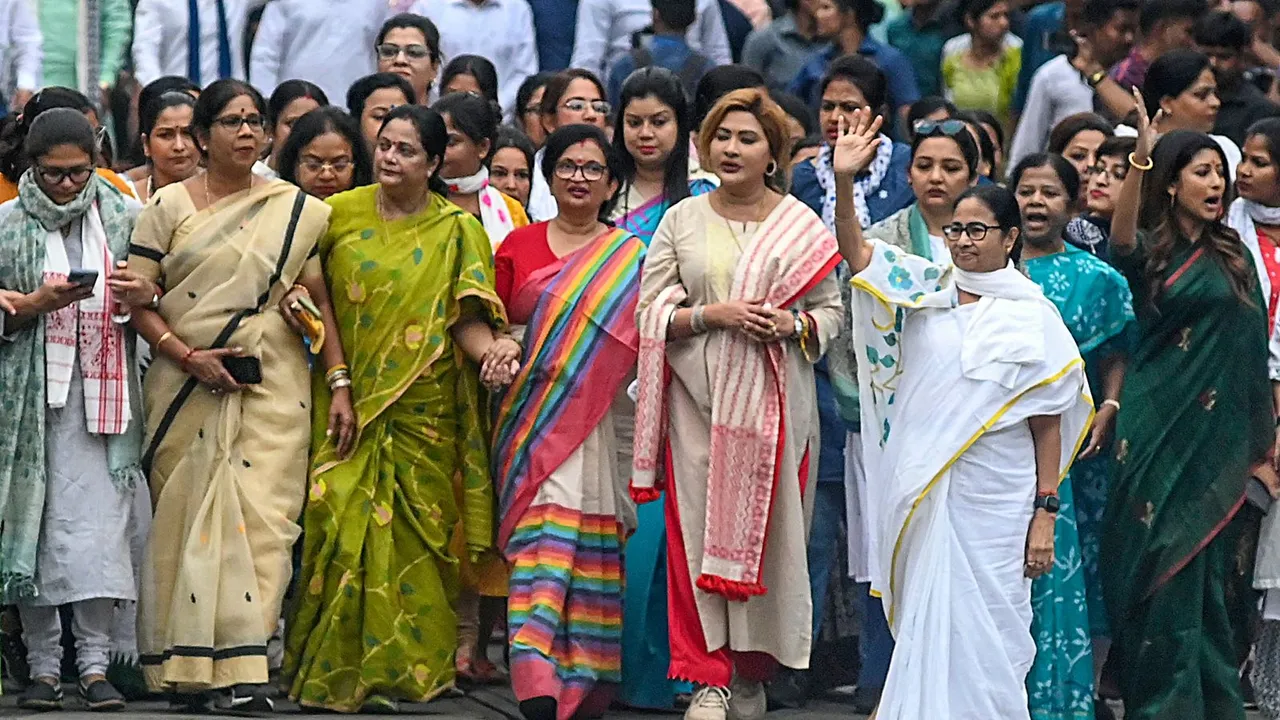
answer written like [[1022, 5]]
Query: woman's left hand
[[780, 324], [1040, 544], [501, 363], [130, 288], [1103, 421], [342, 421], [287, 308]]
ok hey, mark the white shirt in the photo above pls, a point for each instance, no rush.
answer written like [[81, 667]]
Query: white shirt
[[1057, 92], [542, 204], [605, 28], [20, 41], [327, 42], [160, 31], [500, 30]]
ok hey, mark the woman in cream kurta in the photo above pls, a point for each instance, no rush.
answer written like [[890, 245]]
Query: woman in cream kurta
[[697, 248]]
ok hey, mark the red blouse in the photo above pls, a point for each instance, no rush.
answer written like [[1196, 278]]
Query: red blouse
[[525, 251], [1271, 259]]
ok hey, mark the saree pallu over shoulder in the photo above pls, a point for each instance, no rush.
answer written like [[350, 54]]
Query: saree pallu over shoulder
[[581, 344], [641, 217], [1197, 417], [789, 254]]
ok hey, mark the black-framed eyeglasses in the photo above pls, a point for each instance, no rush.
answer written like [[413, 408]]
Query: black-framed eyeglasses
[[233, 123], [413, 51], [54, 176], [591, 172], [580, 104], [975, 230], [950, 128], [1117, 173]]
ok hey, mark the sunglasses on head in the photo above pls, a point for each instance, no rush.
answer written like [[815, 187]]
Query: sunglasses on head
[[950, 128]]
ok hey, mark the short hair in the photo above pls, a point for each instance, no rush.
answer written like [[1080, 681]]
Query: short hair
[[559, 84], [869, 12], [360, 90], [291, 90], [477, 67], [862, 74], [720, 81], [473, 116], [430, 33], [974, 9], [1223, 30], [1156, 11], [1117, 146], [1004, 206], [13, 133], [60, 126], [676, 14], [322, 121], [1097, 13], [807, 142], [566, 137], [772, 119], [1072, 125], [1065, 171]]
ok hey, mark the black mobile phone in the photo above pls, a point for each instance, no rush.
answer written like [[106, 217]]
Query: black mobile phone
[[83, 278], [1258, 495], [244, 370]]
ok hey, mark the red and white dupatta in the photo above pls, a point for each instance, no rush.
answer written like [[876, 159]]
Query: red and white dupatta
[[789, 254]]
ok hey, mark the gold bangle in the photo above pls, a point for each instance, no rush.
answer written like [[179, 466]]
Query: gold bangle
[[336, 370], [1133, 163], [166, 336]]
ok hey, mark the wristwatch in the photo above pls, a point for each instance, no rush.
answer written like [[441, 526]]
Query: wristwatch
[[1048, 503], [799, 324], [1096, 78]]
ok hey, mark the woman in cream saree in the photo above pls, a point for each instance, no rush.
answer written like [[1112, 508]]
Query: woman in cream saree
[[227, 470]]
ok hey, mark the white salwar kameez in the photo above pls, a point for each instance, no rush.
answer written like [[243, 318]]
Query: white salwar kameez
[[946, 391]]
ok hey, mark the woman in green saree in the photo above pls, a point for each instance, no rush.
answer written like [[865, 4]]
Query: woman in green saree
[[416, 310], [1196, 419]]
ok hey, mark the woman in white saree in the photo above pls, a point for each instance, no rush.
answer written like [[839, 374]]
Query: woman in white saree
[[975, 426]]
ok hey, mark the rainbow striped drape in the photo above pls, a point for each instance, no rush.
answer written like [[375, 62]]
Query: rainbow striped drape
[[580, 346]]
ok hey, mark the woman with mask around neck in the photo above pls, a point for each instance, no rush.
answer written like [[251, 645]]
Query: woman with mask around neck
[[472, 126], [563, 505], [1196, 423], [962, 511], [1094, 301], [729, 437], [71, 441]]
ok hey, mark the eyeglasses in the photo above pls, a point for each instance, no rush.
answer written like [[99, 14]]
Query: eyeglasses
[[316, 165], [531, 110], [413, 51], [591, 172], [233, 123], [975, 230], [55, 176], [1118, 173], [580, 105], [950, 128]]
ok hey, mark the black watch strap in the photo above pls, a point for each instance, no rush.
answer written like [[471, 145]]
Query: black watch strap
[[1049, 503]]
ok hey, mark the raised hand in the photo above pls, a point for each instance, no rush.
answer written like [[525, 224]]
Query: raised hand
[[1148, 129], [856, 145]]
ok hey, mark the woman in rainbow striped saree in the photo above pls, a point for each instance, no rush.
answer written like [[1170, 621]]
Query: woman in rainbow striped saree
[[572, 283]]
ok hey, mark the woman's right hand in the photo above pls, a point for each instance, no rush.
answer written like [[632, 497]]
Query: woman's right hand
[[54, 295], [748, 318], [206, 366], [287, 308], [1148, 129]]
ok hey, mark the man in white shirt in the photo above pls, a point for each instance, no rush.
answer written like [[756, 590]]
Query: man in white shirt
[[327, 42], [500, 30], [606, 27], [162, 39], [20, 53]]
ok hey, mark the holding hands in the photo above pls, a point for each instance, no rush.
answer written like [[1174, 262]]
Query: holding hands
[[501, 363]]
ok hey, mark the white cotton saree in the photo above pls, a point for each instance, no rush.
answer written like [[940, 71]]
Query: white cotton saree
[[946, 391]]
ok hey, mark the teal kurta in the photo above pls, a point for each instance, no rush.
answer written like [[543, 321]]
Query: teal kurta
[[1196, 417], [59, 23], [1097, 306]]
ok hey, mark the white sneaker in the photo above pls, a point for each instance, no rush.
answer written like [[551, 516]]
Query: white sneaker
[[747, 700], [709, 703]]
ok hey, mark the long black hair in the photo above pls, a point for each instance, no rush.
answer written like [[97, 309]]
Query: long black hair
[[360, 91], [288, 91], [1157, 215], [664, 86], [956, 131], [479, 68], [473, 116], [432, 133], [1004, 206], [319, 122], [13, 133], [1172, 74], [1061, 167]]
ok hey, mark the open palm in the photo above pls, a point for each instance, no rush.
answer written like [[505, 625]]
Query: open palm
[[856, 144]]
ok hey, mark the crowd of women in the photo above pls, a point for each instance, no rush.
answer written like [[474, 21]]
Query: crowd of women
[[308, 392]]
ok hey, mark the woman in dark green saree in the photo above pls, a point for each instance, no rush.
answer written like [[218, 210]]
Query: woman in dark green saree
[[1195, 422]]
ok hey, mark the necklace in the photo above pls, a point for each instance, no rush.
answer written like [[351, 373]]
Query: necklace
[[208, 202], [755, 217]]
